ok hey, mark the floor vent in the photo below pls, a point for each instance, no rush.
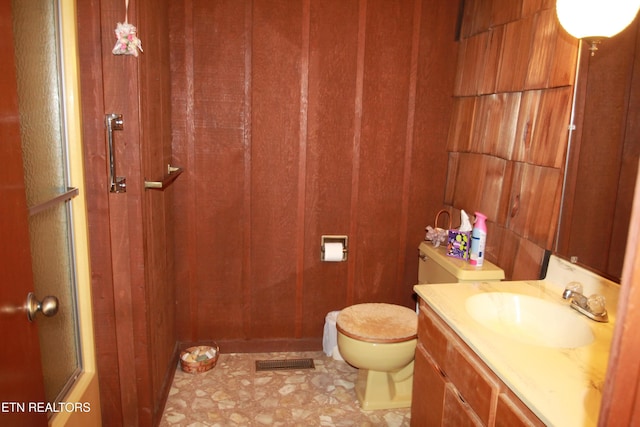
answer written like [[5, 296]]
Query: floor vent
[[287, 364]]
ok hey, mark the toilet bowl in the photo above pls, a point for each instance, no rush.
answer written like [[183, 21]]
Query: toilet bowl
[[380, 340]]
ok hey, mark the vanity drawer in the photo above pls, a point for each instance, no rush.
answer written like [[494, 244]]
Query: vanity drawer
[[431, 334]]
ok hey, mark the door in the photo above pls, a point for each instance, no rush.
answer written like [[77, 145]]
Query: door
[[20, 377], [47, 366]]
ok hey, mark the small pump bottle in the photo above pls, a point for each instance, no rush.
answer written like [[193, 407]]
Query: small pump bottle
[[478, 240]]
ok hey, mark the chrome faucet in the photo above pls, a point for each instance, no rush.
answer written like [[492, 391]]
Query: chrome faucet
[[592, 307]]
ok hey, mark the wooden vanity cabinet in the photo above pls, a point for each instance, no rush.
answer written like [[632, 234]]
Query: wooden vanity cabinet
[[453, 387]]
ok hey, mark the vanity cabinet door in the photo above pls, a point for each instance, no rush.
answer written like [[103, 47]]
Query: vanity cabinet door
[[511, 412], [428, 391], [453, 387], [475, 383], [456, 411]]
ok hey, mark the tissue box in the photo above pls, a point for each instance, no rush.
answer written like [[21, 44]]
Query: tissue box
[[459, 244]]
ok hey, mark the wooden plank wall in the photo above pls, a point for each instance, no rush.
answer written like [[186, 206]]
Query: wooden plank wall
[[154, 77], [294, 120], [508, 137], [133, 286]]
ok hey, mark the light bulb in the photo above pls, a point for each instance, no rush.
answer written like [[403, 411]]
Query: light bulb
[[595, 19]]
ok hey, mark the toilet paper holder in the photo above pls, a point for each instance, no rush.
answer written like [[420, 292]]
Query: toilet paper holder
[[334, 239]]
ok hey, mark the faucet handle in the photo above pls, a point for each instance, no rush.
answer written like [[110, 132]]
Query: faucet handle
[[574, 287], [596, 304]]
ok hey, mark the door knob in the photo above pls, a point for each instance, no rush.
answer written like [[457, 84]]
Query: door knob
[[48, 306]]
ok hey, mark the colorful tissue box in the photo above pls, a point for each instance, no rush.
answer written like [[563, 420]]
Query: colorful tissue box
[[459, 244]]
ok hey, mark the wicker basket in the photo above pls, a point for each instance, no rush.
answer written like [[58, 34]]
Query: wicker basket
[[205, 357], [436, 234]]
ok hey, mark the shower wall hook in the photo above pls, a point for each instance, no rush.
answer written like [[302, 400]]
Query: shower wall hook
[[117, 184]]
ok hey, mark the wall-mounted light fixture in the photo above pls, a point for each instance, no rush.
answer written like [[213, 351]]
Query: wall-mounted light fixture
[[593, 20]]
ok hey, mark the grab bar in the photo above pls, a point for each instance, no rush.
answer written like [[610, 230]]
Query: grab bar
[[169, 178], [117, 184]]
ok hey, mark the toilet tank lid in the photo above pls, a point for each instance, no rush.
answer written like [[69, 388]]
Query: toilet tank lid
[[461, 269], [378, 322]]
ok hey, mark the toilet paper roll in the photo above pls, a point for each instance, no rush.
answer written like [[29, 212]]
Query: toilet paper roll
[[333, 251]]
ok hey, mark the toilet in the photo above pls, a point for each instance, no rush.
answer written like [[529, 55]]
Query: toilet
[[380, 339]]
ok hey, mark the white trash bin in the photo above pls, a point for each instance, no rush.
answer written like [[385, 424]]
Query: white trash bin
[[330, 336]]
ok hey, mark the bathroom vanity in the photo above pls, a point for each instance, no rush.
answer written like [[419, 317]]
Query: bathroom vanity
[[511, 353], [455, 387]]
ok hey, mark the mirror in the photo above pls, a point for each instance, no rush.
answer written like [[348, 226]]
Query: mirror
[[604, 148]]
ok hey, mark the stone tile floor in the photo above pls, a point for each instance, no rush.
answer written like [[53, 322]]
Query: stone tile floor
[[234, 394]]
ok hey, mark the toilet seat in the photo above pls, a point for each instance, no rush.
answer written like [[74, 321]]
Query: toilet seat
[[378, 323]]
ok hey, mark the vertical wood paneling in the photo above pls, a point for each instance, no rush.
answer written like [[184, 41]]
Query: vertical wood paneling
[[357, 137], [247, 294], [131, 237], [275, 155], [125, 218], [183, 133], [302, 163], [401, 291], [91, 85], [155, 118], [218, 164], [332, 93], [386, 87], [304, 119]]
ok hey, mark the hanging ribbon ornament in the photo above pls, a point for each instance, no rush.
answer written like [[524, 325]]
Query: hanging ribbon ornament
[[127, 42]]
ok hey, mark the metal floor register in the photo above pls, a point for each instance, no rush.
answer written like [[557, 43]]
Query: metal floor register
[[285, 364]]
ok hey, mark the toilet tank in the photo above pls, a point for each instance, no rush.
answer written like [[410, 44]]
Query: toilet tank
[[434, 266]]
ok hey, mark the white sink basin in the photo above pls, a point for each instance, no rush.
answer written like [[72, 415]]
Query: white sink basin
[[530, 320]]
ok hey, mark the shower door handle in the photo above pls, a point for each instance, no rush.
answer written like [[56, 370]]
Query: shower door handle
[[117, 184]]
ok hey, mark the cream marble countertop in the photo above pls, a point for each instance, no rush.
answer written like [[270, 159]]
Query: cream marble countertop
[[562, 386]]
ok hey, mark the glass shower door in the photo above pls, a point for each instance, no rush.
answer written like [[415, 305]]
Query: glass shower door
[[36, 26]]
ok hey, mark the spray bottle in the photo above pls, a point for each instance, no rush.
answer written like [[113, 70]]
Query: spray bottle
[[478, 240]]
